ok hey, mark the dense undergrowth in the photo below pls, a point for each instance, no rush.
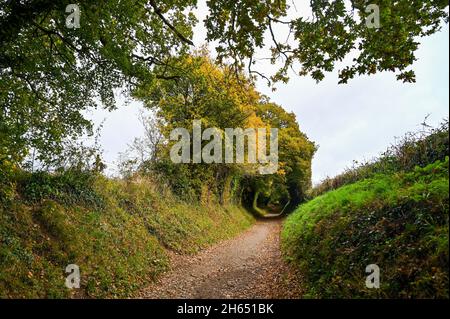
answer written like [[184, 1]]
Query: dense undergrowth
[[392, 213], [117, 232]]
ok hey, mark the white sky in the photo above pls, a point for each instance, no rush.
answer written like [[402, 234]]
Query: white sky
[[349, 122]]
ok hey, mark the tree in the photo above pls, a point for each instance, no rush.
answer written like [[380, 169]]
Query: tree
[[296, 152], [203, 90], [144, 150], [51, 74]]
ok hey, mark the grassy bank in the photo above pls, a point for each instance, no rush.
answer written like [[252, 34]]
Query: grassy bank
[[117, 232], [398, 221]]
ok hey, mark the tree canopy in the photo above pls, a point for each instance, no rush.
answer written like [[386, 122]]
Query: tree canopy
[[51, 74], [337, 29], [203, 90]]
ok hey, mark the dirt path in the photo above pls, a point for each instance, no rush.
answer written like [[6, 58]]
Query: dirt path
[[248, 266]]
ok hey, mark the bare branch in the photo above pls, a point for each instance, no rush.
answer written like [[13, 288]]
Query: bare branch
[[251, 71]]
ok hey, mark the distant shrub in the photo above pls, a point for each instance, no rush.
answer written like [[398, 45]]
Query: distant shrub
[[414, 149]]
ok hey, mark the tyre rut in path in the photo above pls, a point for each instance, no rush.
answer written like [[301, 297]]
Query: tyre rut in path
[[247, 267]]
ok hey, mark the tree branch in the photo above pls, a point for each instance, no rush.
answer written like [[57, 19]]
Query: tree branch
[[168, 24]]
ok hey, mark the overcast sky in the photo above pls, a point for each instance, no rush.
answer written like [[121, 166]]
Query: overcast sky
[[349, 122]]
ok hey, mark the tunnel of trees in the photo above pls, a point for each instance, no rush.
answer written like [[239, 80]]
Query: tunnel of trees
[[51, 75]]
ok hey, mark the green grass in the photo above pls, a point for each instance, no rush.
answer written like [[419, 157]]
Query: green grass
[[117, 232], [413, 149], [397, 221]]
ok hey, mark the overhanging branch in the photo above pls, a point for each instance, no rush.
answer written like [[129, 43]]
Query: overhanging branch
[[169, 25]]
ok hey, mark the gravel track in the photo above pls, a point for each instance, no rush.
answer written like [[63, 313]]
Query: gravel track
[[249, 266]]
